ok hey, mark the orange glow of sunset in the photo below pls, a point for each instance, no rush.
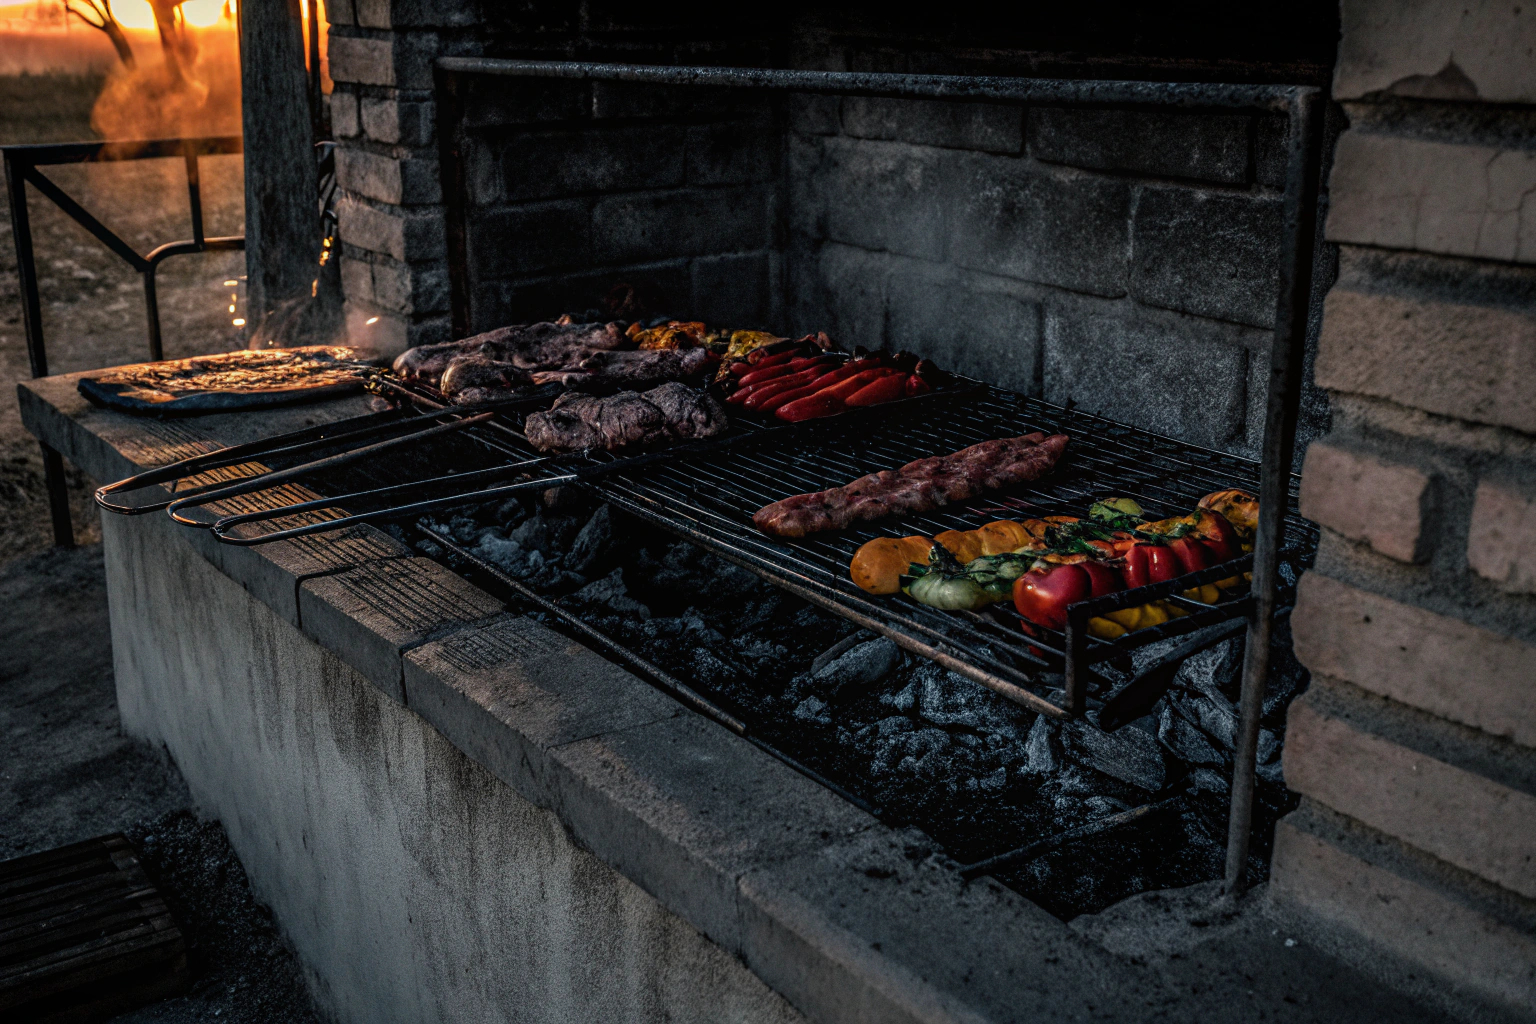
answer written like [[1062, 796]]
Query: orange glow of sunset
[[198, 13]]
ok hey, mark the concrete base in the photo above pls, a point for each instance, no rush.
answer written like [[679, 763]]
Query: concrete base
[[414, 884]]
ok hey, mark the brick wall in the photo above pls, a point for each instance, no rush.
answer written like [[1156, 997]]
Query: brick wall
[[1415, 751]]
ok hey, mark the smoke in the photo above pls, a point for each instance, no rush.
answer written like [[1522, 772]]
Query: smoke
[[189, 87]]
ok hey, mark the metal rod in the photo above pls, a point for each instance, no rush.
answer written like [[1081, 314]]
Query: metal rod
[[265, 480], [58, 498], [152, 314], [26, 267], [342, 499], [1286, 352], [40, 154], [85, 219], [950, 87], [657, 676], [194, 191], [1034, 851]]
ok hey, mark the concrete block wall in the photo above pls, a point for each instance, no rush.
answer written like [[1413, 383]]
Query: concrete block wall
[[1121, 261], [1415, 750]]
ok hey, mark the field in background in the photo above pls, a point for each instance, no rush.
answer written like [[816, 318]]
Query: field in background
[[93, 304]]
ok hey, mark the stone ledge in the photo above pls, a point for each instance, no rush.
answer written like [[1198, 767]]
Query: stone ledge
[[1347, 880]]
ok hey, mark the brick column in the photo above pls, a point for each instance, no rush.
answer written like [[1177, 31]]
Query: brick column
[[1415, 750], [390, 202]]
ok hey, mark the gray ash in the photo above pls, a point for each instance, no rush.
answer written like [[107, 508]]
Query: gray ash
[[977, 773]]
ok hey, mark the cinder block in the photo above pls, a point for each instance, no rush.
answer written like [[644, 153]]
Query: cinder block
[[373, 13], [989, 127], [344, 120], [876, 195], [340, 12], [497, 102], [735, 153], [552, 164], [398, 122], [982, 327], [407, 235], [1118, 362], [401, 182], [1406, 193], [1459, 816], [1205, 147], [1366, 499], [363, 61], [367, 616], [733, 290], [1206, 253], [1431, 50], [1062, 228], [1442, 665], [841, 290], [356, 279], [529, 239], [1457, 359], [659, 225], [814, 115], [1501, 542], [642, 100], [1359, 884]]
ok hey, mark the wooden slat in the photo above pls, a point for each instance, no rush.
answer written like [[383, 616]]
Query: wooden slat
[[83, 934]]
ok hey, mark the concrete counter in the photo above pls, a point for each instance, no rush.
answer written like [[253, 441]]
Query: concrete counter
[[457, 813]]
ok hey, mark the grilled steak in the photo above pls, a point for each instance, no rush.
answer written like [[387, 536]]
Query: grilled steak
[[579, 421], [542, 346], [919, 486], [608, 369], [471, 379]]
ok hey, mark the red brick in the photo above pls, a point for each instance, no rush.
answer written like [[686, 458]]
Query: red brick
[[1440, 664], [1364, 499], [1501, 543], [1456, 815], [1467, 361]]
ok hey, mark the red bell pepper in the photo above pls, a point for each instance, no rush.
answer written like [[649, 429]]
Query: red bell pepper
[[786, 368], [1149, 563], [1218, 535], [1042, 595], [1191, 554], [1103, 579], [917, 386], [832, 399], [886, 389]]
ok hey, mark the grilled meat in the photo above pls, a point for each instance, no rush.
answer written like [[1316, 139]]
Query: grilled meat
[[607, 369], [542, 346], [919, 486], [579, 421], [478, 378]]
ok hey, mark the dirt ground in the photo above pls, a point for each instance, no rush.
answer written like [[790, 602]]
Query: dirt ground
[[67, 772]]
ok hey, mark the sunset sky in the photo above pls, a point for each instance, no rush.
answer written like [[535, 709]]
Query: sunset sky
[[130, 13]]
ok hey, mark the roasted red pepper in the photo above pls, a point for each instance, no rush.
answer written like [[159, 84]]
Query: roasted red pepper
[[832, 399], [787, 368], [755, 395], [1218, 535], [886, 389], [915, 386], [1191, 554], [1149, 563], [782, 398]]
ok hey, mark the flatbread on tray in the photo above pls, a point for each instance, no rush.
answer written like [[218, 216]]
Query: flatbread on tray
[[230, 382]]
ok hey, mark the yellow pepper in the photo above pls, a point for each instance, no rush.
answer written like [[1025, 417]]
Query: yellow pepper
[[1207, 594]]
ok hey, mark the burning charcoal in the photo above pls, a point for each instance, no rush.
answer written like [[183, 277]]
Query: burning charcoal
[[860, 668], [1206, 780], [813, 710], [1129, 755], [563, 500], [893, 726], [903, 700], [1269, 746], [1272, 773], [1187, 743], [948, 699], [1217, 720], [1042, 758], [510, 514], [464, 529], [593, 542], [1102, 806], [1214, 671], [611, 592], [711, 671], [924, 750], [837, 650], [998, 780], [506, 555], [534, 535]]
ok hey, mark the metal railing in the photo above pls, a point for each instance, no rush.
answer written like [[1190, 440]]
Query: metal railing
[[22, 165]]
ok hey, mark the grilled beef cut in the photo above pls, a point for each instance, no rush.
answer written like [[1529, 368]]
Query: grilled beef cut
[[471, 379], [919, 486], [542, 346], [603, 370], [579, 421]]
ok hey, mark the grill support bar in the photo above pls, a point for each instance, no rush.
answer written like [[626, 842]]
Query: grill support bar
[[1304, 144]]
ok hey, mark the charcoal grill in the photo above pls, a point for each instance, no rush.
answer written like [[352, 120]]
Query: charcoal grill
[[707, 491]]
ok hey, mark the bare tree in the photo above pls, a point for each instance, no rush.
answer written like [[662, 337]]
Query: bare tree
[[175, 42], [98, 14]]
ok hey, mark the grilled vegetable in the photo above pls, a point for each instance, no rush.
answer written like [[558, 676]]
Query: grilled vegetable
[[1042, 594], [944, 584], [879, 565], [1149, 563], [832, 399], [1239, 508], [886, 389], [997, 573]]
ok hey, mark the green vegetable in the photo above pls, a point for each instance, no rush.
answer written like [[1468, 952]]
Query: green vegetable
[[996, 573], [945, 592], [1116, 513]]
